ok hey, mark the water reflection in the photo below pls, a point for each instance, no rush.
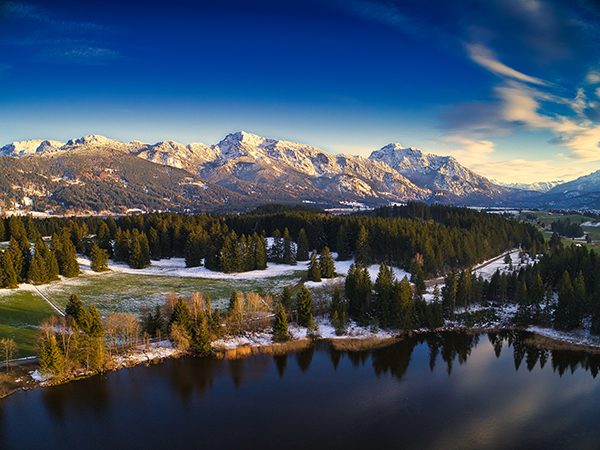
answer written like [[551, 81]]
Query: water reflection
[[436, 390]]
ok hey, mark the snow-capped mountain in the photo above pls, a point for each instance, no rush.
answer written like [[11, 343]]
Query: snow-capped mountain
[[586, 183], [540, 186], [257, 170], [441, 174], [22, 148]]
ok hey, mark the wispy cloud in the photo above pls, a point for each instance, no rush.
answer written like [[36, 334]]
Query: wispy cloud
[[486, 58], [54, 39], [523, 171], [524, 103], [23, 10]]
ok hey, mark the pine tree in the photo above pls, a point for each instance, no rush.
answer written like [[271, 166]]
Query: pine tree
[[276, 250], [37, 270], [98, 258], [135, 251], [66, 255], [74, 308], [144, 259], [16, 257], [449, 295], [94, 325], [314, 268], [358, 290], [234, 314], [121, 251], [343, 244], [9, 276], [403, 305], [384, 287], [326, 264], [286, 298], [103, 238], [233, 303], [201, 336], [260, 252], [51, 359], [181, 316], [302, 250], [289, 256], [155, 247], [280, 326], [304, 306], [564, 314], [338, 313], [362, 255]]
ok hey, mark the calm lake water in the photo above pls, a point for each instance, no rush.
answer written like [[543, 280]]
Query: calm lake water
[[440, 391]]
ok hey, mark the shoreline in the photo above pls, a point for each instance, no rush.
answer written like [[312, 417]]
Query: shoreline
[[258, 343]]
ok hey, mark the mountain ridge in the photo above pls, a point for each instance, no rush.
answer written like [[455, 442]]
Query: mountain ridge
[[258, 169]]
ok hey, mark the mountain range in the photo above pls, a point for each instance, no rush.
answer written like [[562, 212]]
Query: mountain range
[[241, 171]]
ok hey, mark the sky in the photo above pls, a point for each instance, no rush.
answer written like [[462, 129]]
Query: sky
[[511, 88]]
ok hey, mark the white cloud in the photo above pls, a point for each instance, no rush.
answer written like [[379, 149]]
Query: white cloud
[[593, 77], [523, 171], [486, 58]]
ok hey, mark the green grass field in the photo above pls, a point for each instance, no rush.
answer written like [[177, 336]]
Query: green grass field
[[20, 313], [21, 310]]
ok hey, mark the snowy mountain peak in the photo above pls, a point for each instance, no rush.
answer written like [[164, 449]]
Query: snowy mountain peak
[[93, 139], [586, 183], [23, 148]]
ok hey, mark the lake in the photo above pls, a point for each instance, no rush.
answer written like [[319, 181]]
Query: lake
[[433, 391]]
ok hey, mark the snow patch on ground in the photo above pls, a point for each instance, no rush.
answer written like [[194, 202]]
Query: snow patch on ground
[[590, 224], [580, 337], [156, 350]]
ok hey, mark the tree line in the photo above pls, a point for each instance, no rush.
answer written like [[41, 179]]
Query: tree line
[[444, 237]]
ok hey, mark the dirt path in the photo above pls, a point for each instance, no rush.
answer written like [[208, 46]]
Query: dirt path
[[440, 280], [48, 301]]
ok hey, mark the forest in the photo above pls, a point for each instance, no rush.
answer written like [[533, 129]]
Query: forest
[[562, 288]]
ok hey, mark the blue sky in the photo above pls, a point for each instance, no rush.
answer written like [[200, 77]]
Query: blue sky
[[511, 88]]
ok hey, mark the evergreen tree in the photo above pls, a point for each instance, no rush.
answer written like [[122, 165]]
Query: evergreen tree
[[103, 238], [280, 326], [9, 276], [326, 264], [94, 325], [195, 248], [304, 306], [234, 314], [286, 298], [51, 359], [384, 289], [74, 308], [338, 312], [181, 316], [121, 252], [566, 316], [37, 269], [403, 305], [277, 249], [201, 336], [362, 255], [302, 250], [358, 291], [449, 295], [289, 256], [66, 255], [260, 252], [155, 247], [16, 256], [98, 258], [343, 244], [314, 268]]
